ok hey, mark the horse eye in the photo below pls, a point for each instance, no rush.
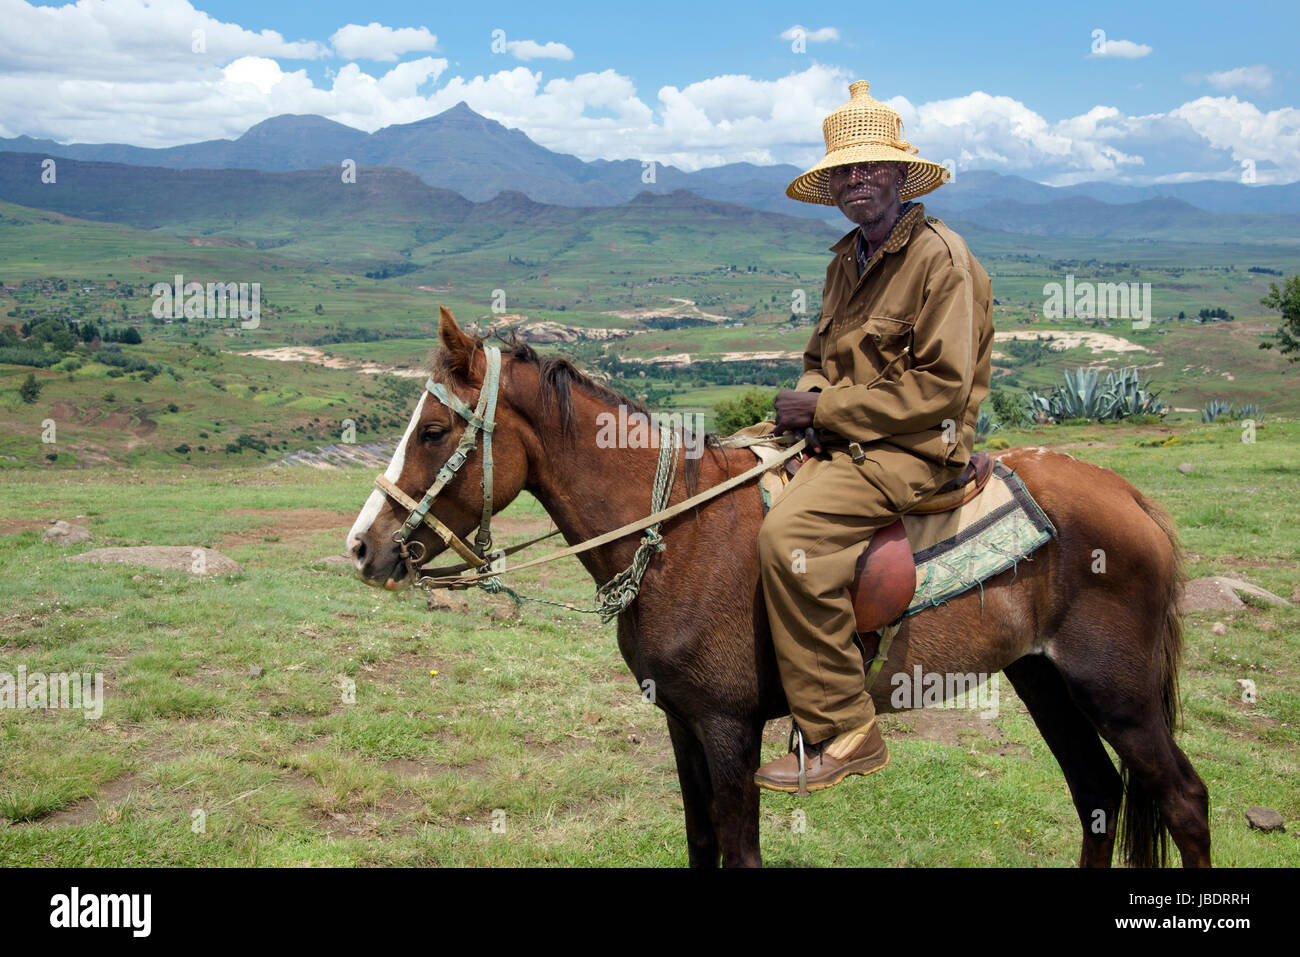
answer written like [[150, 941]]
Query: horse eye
[[434, 434]]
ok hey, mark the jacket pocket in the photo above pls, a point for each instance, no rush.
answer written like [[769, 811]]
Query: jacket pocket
[[890, 339]]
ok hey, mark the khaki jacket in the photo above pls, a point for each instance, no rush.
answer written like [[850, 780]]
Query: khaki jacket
[[905, 347]]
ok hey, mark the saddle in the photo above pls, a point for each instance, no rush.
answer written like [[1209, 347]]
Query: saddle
[[885, 579]]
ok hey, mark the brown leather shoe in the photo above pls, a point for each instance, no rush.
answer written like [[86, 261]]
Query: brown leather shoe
[[822, 770]]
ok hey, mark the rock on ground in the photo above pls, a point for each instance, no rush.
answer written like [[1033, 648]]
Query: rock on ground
[[1265, 819], [182, 558], [1217, 594], [65, 533]]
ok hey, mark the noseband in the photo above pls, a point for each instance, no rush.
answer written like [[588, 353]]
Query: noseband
[[480, 419]]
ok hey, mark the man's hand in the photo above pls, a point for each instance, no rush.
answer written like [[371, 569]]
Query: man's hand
[[794, 413]]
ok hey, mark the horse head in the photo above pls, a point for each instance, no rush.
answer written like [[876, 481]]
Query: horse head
[[381, 537]]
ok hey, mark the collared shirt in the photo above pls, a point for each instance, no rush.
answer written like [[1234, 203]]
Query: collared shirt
[[862, 240], [902, 353]]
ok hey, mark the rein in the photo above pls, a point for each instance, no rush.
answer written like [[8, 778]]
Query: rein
[[612, 597]]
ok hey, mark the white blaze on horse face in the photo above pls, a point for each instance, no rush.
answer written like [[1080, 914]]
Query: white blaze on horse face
[[370, 511]]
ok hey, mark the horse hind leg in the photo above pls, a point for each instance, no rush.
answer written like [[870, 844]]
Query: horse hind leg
[[1130, 700], [1094, 784]]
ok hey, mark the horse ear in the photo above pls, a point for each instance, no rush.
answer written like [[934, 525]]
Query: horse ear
[[459, 347]]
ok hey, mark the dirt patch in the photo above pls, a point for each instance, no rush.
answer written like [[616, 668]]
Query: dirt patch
[[86, 811], [953, 726], [317, 357], [685, 309], [287, 524], [15, 526], [1071, 338]]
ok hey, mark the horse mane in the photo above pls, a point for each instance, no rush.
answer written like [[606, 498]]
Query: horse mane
[[557, 376]]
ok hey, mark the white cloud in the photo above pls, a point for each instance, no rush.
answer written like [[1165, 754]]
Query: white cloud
[[133, 79], [377, 42], [1258, 79], [258, 72], [1124, 49], [820, 35], [1248, 133], [981, 131], [130, 39], [532, 50]]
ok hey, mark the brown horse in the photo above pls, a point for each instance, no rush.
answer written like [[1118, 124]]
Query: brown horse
[[1093, 653]]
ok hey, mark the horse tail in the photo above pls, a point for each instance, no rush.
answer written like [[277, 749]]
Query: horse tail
[[1144, 838]]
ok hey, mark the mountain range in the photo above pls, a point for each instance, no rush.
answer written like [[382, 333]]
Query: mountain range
[[402, 211], [478, 158]]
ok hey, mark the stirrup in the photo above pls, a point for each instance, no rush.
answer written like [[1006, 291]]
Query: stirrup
[[797, 735]]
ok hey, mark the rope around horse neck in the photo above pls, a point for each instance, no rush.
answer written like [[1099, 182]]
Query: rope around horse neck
[[621, 590], [628, 582]]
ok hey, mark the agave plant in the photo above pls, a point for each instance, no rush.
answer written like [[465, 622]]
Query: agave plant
[[1248, 411], [1215, 408], [1081, 398], [1037, 404], [984, 425], [1084, 396], [1131, 397]]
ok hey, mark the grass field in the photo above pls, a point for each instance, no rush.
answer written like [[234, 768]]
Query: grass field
[[479, 737]]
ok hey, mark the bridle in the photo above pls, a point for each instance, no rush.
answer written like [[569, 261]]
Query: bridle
[[480, 419], [613, 596]]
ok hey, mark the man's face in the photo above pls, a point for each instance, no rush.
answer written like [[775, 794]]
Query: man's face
[[865, 192]]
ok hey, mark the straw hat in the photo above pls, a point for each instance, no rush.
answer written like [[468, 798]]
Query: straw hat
[[864, 130]]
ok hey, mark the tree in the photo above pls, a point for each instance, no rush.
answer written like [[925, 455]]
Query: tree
[[30, 390], [751, 406], [1286, 301]]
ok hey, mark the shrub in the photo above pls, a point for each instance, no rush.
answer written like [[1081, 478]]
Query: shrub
[[27, 356], [732, 415], [1215, 408], [30, 390]]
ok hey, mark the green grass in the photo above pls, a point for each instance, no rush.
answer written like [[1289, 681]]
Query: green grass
[[533, 724]]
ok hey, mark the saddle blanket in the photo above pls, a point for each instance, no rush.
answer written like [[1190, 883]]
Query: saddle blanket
[[961, 549]]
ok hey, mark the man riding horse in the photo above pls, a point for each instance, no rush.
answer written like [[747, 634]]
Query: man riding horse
[[893, 378]]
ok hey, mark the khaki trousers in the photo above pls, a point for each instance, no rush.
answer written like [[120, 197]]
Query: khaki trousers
[[808, 548]]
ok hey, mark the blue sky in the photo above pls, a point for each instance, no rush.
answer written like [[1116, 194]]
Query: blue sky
[[1179, 90], [1036, 52]]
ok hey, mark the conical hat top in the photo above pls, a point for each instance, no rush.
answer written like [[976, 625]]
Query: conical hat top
[[865, 130]]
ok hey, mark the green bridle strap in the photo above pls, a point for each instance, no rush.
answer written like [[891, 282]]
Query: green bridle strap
[[480, 419]]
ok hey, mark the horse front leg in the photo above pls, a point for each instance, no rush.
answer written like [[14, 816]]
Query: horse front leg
[[697, 795], [733, 750]]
